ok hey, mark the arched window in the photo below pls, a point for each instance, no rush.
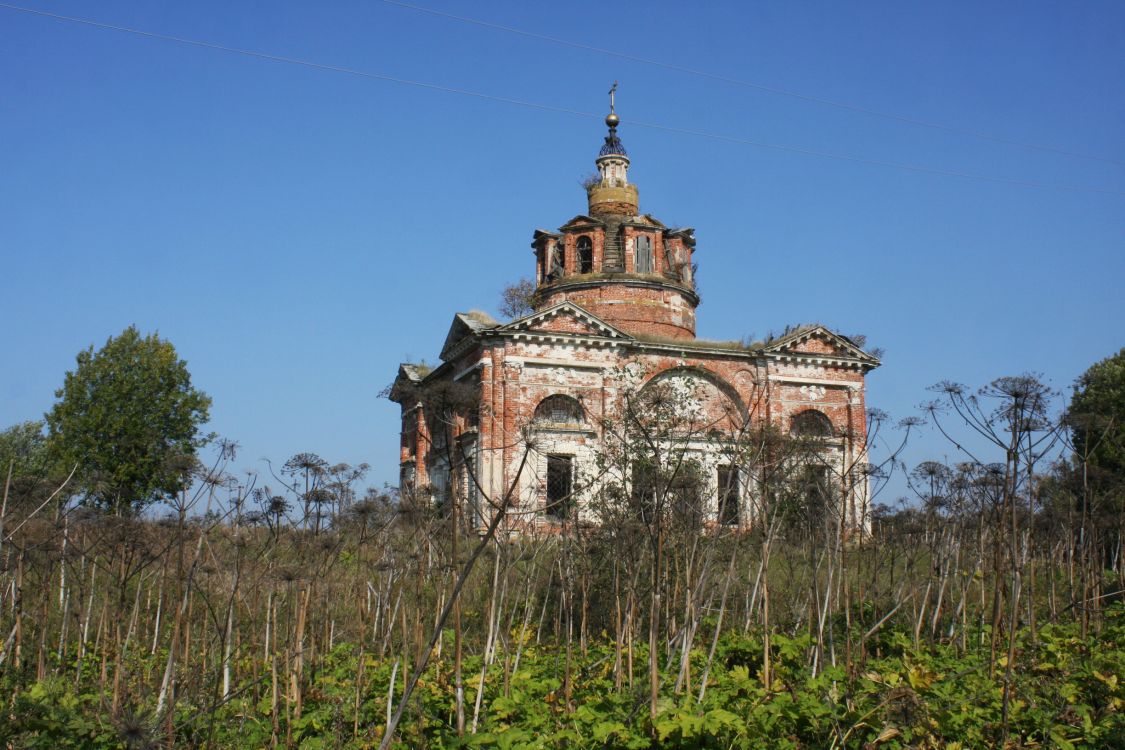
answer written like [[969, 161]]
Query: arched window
[[811, 423], [559, 409], [585, 255]]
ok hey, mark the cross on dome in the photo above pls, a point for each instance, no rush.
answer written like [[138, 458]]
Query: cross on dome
[[613, 145]]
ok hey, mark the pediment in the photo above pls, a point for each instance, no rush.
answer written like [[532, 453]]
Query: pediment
[[565, 318], [406, 381], [647, 220], [464, 325], [818, 342], [581, 221], [540, 234], [687, 234]]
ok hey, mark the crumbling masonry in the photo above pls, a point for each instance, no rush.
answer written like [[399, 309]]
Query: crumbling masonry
[[615, 310]]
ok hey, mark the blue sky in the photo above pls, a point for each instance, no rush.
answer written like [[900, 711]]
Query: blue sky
[[297, 232]]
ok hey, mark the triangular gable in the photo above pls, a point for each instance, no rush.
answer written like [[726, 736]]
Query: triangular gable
[[581, 220], [540, 234], [687, 234], [406, 381], [565, 318], [463, 325], [818, 341]]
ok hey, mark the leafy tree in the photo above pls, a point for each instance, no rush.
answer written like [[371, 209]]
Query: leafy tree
[[129, 417], [23, 447], [33, 473], [1097, 414]]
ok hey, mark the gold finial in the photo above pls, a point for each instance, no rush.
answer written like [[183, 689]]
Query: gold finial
[[612, 119]]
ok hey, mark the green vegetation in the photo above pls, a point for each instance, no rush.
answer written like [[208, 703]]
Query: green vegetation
[[1097, 415], [23, 447], [1070, 693], [128, 418], [987, 613]]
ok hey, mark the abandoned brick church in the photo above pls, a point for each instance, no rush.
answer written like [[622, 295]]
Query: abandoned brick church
[[614, 313]]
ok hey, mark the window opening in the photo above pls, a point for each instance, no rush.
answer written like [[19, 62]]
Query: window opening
[[811, 423], [685, 489], [817, 491], [559, 409], [643, 247], [560, 486], [728, 495], [644, 491], [585, 255]]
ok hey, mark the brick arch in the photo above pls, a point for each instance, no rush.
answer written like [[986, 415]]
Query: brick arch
[[559, 408], [811, 423], [733, 406]]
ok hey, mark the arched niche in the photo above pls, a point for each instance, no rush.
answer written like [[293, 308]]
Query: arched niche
[[698, 398], [811, 423], [559, 409]]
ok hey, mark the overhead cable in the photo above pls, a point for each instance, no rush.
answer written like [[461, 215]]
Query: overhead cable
[[906, 119], [557, 109]]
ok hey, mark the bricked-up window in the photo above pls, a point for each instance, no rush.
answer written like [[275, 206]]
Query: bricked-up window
[[585, 255], [559, 409], [560, 485], [643, 254], [811, 423], [728, 495]]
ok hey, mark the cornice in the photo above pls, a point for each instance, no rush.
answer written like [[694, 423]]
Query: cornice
[[693, 346], [820, 359], [622, 279]]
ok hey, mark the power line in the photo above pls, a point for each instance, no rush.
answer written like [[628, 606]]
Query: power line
[[876, 162], [753, 85], [295, 61], [552, 108]]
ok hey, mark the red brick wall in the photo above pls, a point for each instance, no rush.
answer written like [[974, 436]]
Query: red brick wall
[[516, 375], [640, 310], [815, 346]]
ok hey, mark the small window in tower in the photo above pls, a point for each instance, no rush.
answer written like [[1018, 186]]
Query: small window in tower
[[585, 255], [559, 409], [560, 486], [643, 255], [728, 495]]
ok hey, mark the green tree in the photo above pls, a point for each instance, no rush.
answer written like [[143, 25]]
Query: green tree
[[129, 418], [23, 448], [27, 472], [1097, 415]]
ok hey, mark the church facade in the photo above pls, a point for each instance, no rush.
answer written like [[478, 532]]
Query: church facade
[[538, 400]]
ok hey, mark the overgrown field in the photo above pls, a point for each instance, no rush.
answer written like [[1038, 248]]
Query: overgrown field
[[1068, 693], [989, 612]]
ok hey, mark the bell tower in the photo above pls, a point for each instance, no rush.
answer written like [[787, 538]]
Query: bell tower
[[626, 267]]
